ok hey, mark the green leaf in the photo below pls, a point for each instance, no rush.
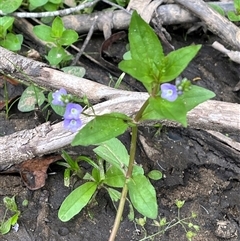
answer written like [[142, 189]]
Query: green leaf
[[143, 196], [55, 1], [163, 109], [233, 16], [114, 194], [12, 42], [37, 3], [76, 201], [217, 8], [176, 61], [6, 23], [75, 70], [237, 5], [155, 175], [114, 152], [10, 203], [96, 175], [159, 109], [195, 96], [144, 43], [7, 6], [138, 70], [56, 55], [6, 226], [57, 28], [100, 129], [31, 96], [44, 33], [114, 177], [60, 110], [68, 37]]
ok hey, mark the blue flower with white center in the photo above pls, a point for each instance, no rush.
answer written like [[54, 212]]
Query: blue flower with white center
[[58, 97], [73, 111], [169, 92], [72, 124]]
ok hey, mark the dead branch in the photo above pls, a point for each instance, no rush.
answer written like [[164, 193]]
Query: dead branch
[[216, 23], [170, 14], [46, 138]]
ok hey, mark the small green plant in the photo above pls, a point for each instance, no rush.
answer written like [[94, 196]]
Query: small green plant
[[109, 177], [233, 16], [72, 168], [8, 39], [7, 222], [47, 5], [147, 63], [58, 36], [163, 225]]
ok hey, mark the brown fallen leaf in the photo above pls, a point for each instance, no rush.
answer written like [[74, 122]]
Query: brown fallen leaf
[[34, 172]]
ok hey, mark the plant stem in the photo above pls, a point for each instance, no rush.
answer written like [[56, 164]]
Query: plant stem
[[128, 174]]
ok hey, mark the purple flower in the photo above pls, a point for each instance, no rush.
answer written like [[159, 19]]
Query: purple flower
[[169, 92], [73, 111], [57, 97], [72, 124]]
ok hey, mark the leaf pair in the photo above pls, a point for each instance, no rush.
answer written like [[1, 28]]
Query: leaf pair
[[148, 63], [59, 36]]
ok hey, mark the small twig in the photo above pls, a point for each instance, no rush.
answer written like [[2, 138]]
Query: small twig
[[85, 43], [51, 14], [116, 5]]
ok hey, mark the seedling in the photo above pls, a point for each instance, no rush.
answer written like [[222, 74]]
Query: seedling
[[58, 37], [163, 225], [233, 16], [110, 177], [8, 39], [7, 222]]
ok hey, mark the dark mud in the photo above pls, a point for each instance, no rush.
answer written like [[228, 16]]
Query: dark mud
[[197, 167]]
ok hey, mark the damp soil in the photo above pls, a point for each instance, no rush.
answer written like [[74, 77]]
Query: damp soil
[[196, 167]]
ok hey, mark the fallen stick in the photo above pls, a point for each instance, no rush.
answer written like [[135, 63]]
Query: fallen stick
[[47, 138], [216, 23]]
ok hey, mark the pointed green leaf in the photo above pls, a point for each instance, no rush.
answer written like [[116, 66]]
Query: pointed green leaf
[[143, 196], [114, 177], [114, 152], [57, 27], [175, 111], [159, 109], [76, 201], [114, 194], [195, 96], [138, 70], [176, 61], [144, 43], [100, 129]]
